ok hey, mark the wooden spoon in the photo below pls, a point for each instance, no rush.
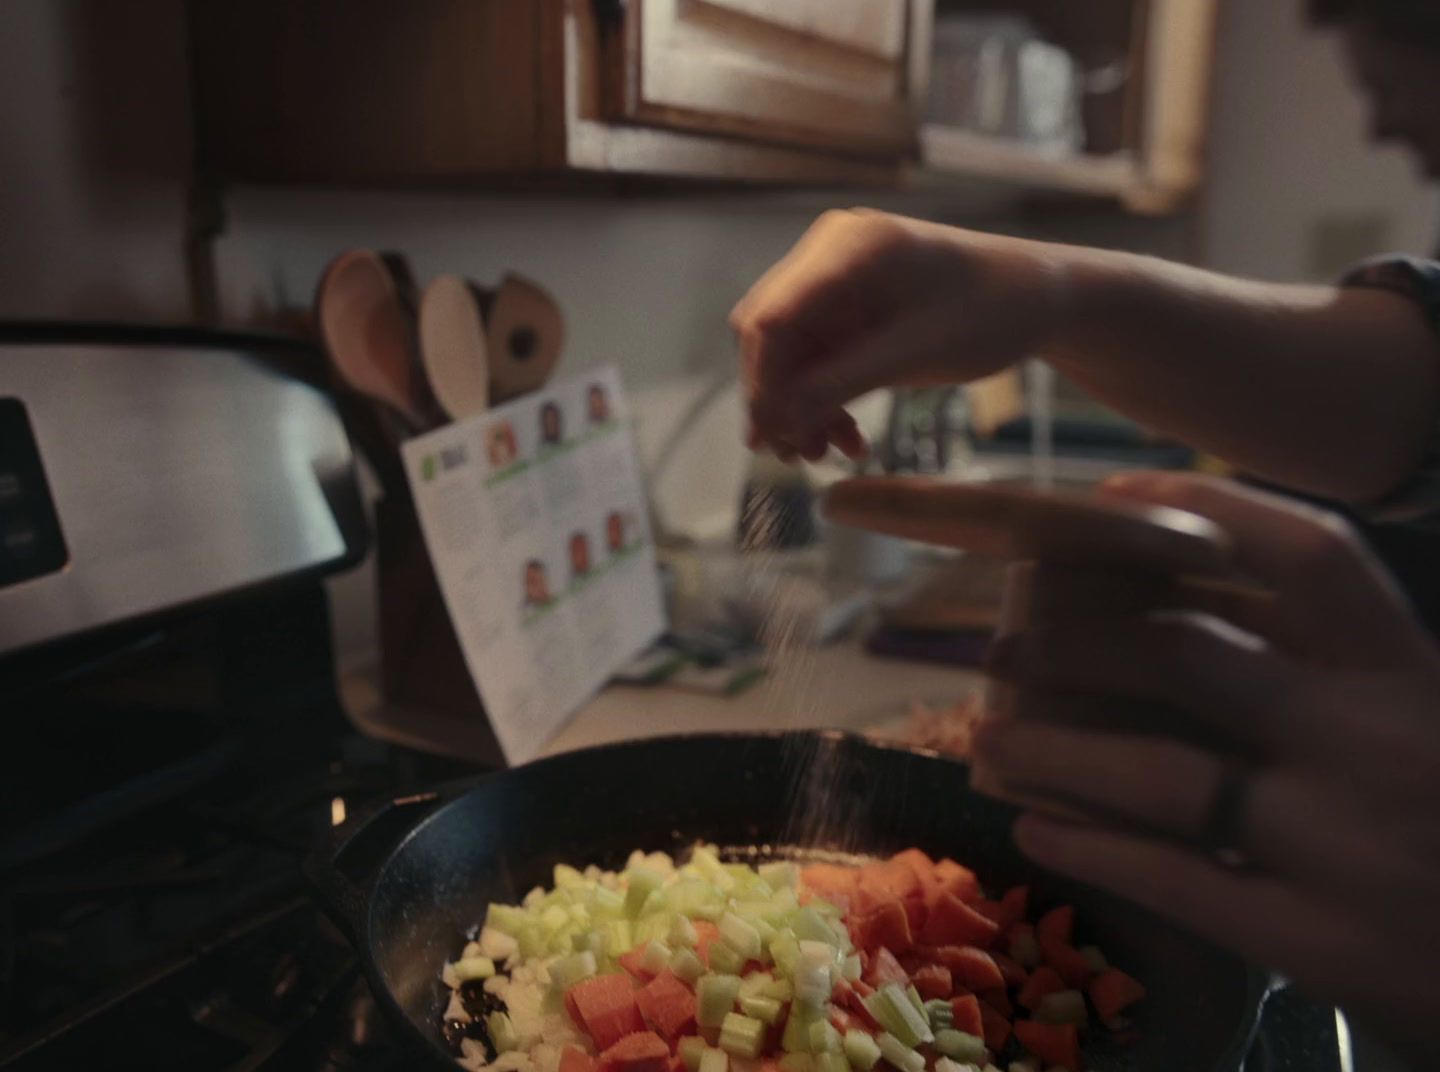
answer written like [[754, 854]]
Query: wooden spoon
[[453, 347], [526, 333], [370, 338]]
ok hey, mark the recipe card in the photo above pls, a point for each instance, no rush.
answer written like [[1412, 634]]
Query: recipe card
[[535, 518]]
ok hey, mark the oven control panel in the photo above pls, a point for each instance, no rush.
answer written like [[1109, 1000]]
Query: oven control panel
[[31, 544]]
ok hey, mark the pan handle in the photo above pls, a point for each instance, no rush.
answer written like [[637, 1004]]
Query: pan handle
[[345, 897]]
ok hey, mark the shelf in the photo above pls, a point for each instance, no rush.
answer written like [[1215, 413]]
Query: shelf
[[949, 152]]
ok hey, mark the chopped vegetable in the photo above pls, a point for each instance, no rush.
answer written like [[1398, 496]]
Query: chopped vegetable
[[824, 1038], [960, 1045], [607, 1009], [713, 1060], [939, 1013], [668, 1004], [742, 1036], [953, 922], [1113, 991], [898, 1055], [965, 1015], [761, 1008], [576, 1060], [687, 966], [644, 1051], [893, 1010], [689, 1050], [1043, 980], [861, 1050], [740, 936], [831, 1061], [468, 968], [1054, 1044], [1062, 1007], [716, 995], [502, 1032]]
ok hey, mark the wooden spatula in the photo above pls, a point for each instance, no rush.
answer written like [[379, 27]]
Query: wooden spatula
[[453, 347]]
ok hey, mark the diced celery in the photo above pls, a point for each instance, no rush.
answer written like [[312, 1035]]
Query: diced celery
[[940, 1013], [682, 932], [580, 916], [502, 1032], [725, 958], [960, 1046], [1062, 1007], [619, 938], [809, 924], [767, 934], [900, 1056], [566, 877], [944, 1064], [507, 919], [715, 997], [781, 873], [687, 966], [764, 1009], [591, 940], [892, 1009], [740, 935], [567, 971], [713, 1060], [607, 902], [797, 1062], [643, 882], [656, 957], [1024, 949], [1095, 958], [915, 999], [824, 1038], [690, 1050], [554, 917], [561, 941], [780, 989], [796, 1037], [534, 898], [741, 1035], [851, 968], [813, 982], [755, 983], [831, 1061], [861, 1050], [532, 942], [786, 951]]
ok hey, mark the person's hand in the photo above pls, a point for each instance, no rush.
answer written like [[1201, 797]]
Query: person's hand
[[1327, 695], [868, 300]]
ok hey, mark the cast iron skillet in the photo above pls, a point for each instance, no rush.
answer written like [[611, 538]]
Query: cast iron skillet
[[495, 838]]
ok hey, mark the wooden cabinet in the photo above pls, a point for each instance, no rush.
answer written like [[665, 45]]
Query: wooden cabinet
[[844, 75], [539, 92], [463, 91]]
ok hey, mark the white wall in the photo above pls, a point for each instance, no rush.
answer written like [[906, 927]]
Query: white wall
[[1288, 153]]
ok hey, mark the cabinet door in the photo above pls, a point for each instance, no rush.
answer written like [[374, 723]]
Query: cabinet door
[[840, 74]]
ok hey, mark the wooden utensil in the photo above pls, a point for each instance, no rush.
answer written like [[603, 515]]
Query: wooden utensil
[[453, 347], [369, 337], [525, 330]]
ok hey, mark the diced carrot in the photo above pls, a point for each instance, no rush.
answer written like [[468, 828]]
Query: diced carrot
[[643, 1051], [573, 1059], [1055, 928], [1013, 906], [953, 922], [933, 981], [967, 1015], [1072, 966], [971, 968], [998, 1000], [1113, 992], [707, 933], [573, 1009], [854, 1000], [1010, 969], [996, 1027], [668, 1004], [1053, 935], [916, 860], [677, 1064], [632, 962], [958, 880], [1054, 1044], [884, 968], [994, 911], [834, 883], [1043, 980], [607, 1009], [891, 881], [840, 1020], [886, 925]]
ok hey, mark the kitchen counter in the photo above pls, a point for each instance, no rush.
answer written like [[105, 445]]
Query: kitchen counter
[[837, 686]]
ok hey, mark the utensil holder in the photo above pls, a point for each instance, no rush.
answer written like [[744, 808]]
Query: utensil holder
[[427, 686]]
